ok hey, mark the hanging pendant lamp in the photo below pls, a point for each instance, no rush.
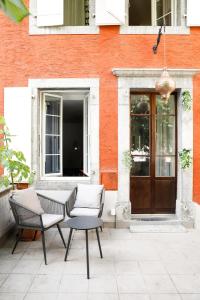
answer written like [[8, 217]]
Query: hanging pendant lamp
[[165, 85]]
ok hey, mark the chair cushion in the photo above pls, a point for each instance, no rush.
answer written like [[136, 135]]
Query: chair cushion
[[88, 195], [29, 199], [50, 219], [77, 212]]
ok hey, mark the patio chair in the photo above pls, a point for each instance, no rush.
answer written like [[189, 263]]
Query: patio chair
[[36, 212], [86, 200]]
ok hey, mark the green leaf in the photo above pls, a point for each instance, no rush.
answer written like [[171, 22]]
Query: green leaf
[[15, 9]]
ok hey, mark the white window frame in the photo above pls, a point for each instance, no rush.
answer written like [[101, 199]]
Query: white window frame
[[153, 29], [43, 156], [35, 30], [86, 135]]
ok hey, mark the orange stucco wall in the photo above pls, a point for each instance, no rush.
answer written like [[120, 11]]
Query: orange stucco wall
[[57, 56]]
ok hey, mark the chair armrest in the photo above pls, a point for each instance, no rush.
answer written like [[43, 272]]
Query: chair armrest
[[71, 201], [25, 217], [51, 206]]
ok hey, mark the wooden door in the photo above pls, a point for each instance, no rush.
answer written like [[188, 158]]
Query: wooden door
[[153, 143]]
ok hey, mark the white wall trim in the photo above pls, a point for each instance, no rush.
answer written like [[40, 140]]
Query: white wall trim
[[144, 79], [180, 30], [92, 84]]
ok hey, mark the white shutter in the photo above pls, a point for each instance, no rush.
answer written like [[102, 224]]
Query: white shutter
[[50, 12], [193, 13], [17, 113], [110, 12]]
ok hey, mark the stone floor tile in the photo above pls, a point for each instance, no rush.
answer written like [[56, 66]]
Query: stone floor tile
[[53, 267], [75, 267], [152, 267], [182, 267], [190, 296], [101, 266], [103, 296], [3, 277], [5, 254], [74, 284], [64, 296], [40, 296], [134, 297], [131, 284], [187, 283], [102, 284], [165, 297], [27, 266], [159, 284], [6, 266], [33, 254], [127, 267], [11, 296], [17, 283], [45, 284]]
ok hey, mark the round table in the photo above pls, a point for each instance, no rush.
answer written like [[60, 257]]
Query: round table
[[84, 223]]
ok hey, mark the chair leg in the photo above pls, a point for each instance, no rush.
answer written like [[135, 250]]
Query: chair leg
[[44, 247], [61, 235], [18, 237], [68, 243], [35, 233], [98, 239], [101, 228]]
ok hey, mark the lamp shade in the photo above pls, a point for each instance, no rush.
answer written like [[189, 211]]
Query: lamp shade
[[165, 85]]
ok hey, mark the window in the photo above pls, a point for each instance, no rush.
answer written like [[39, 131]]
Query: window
[[65, 133], [152, 12]]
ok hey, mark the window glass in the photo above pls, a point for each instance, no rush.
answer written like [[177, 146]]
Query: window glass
[[165, 166], [139, 135], [140, 166], [163, 107], [140, 104], [165, 135], [52, 164], [163, 9]]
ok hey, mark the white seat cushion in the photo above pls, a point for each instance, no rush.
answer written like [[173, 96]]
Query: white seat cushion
[[77, 212], [88, 195], [29, 199], [50, 219]]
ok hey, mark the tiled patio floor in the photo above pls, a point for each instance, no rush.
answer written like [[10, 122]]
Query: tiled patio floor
[[144, 266]]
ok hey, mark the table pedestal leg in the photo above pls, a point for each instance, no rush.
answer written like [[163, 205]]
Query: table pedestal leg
[[68, 243], [87, 254], [98, 239]]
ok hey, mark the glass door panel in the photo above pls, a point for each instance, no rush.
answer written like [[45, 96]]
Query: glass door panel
[[140, 135], [53, 134], [165, 137]]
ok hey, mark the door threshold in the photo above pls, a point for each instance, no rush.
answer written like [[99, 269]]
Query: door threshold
[[154, 217]]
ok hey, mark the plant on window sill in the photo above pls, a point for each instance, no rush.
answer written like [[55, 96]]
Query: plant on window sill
[[14, 9], [186, 100], [185, 158], [13, 162]]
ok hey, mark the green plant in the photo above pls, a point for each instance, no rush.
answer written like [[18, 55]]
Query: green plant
[[14, 9], [185, 158], [186, 100], [13, 162], [127, 159]]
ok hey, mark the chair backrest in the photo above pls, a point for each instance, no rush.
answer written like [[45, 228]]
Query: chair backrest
[[28, 199], [89, 196]]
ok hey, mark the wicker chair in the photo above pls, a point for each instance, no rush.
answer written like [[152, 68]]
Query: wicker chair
[[74, 210], [50, 214]]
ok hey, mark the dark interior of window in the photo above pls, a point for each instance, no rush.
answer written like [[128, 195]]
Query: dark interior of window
[[140, 13], [73, 138]]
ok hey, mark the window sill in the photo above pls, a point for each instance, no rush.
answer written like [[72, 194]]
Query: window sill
[[34, 30], [153, 30]]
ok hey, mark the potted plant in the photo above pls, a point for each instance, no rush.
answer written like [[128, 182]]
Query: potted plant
[[17, 173], [13, 161]]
